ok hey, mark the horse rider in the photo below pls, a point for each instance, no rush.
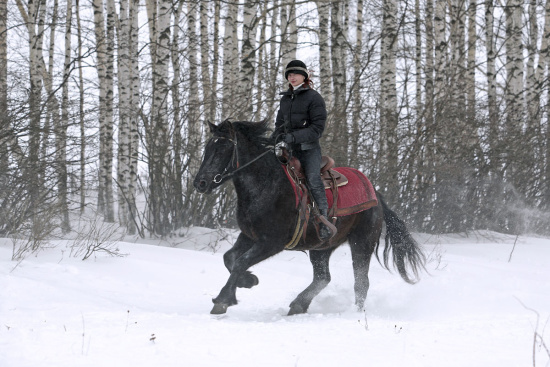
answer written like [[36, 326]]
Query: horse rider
[[300, 124]]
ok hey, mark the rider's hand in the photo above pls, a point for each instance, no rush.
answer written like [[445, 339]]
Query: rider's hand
[[288, 138]]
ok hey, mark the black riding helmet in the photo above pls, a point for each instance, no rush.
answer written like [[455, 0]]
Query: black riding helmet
[[296, 67]]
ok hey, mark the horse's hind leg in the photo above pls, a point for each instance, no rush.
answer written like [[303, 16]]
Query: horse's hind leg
[[363, 242], [321, 277], [242, 245], [361, 255]]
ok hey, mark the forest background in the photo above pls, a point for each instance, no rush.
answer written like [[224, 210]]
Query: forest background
[[444, 104]]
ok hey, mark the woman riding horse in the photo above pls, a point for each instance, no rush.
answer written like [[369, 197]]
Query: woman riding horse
[[268, 219], [300, 124]]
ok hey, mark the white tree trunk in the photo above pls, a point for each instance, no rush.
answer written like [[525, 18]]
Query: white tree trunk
[[289, 31], [159, 144], [177, 108], [61, 131], [274, 64], [230, 59], [205, 61], [388, 102], [101, 50], [105, 198], [337, 123], [124, 93], [418, 65], [261, 72], [325, 69], [491, 75], [440, 63], [356, 90], [471, 74], [4, 122], [248, 60], [109, 111], [34, 17], [194, 138], [514, 69], [532, 87], [216, 60], [457, 66], [81, 120], [135, 107]]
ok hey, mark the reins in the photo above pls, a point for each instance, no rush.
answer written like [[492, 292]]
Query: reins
[[235, 157]]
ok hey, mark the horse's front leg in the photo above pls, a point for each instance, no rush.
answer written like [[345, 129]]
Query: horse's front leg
[[243, 244], [255, 254]]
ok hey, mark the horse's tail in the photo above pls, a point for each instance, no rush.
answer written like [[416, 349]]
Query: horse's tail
[[406, 252]]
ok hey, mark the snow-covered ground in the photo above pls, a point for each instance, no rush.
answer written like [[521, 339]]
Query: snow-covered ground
[[151, 308]]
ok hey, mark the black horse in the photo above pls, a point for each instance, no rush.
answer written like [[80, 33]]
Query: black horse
[[267, 216]]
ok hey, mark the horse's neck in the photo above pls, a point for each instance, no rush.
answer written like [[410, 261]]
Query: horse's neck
[[262, 179]]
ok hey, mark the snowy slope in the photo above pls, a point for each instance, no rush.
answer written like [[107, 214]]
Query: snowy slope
[[151, 308]]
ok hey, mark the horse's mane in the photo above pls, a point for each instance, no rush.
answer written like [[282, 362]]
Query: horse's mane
[[255, 131]]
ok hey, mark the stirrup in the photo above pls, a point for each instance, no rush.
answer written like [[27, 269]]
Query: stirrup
[[329, 226]]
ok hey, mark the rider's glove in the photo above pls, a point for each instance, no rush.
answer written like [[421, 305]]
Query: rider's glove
[[288, 138]]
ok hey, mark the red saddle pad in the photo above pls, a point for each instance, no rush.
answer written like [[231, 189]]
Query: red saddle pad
[[357, 195]]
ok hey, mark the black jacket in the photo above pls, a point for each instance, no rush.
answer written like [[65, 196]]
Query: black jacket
[[306, 111]]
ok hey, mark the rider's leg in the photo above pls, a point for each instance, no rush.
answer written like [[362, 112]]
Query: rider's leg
[[311, 162]]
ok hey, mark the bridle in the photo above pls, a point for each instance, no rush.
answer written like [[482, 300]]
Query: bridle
[[235, 159]]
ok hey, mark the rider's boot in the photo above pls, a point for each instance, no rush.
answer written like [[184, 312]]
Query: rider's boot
[[326, 229]]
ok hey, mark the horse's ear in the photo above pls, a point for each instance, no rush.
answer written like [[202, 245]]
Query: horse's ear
[[211, 126]]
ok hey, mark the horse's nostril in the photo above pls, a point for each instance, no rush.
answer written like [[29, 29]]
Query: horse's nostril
[[201, 185]]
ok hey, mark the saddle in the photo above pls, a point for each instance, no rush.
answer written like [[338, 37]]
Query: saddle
[[331, 179]]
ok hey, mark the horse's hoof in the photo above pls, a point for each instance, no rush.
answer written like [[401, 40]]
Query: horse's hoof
[[296, 310], [248, 280], [251, 281], [219, 309]]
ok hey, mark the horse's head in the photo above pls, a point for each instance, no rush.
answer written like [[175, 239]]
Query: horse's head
[[218, 157]]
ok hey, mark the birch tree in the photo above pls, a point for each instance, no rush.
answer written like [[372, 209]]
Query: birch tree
[[205, 60], [471, 64], [248, 60], [514, 84], [215, 60], [134, 114], [61, 130], [425, 166], [53, 108], [388, 99], [337, 129], [289, 31], [194, 133], [491, 75], [158, 143], [274, 64], [545, 56], [325, 69], [261, 71], [177, 174], [230, 59], [356, 90], [81, 121], [4, 119], [33, 17], [124, 110], [105, 80], [531, 82]]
